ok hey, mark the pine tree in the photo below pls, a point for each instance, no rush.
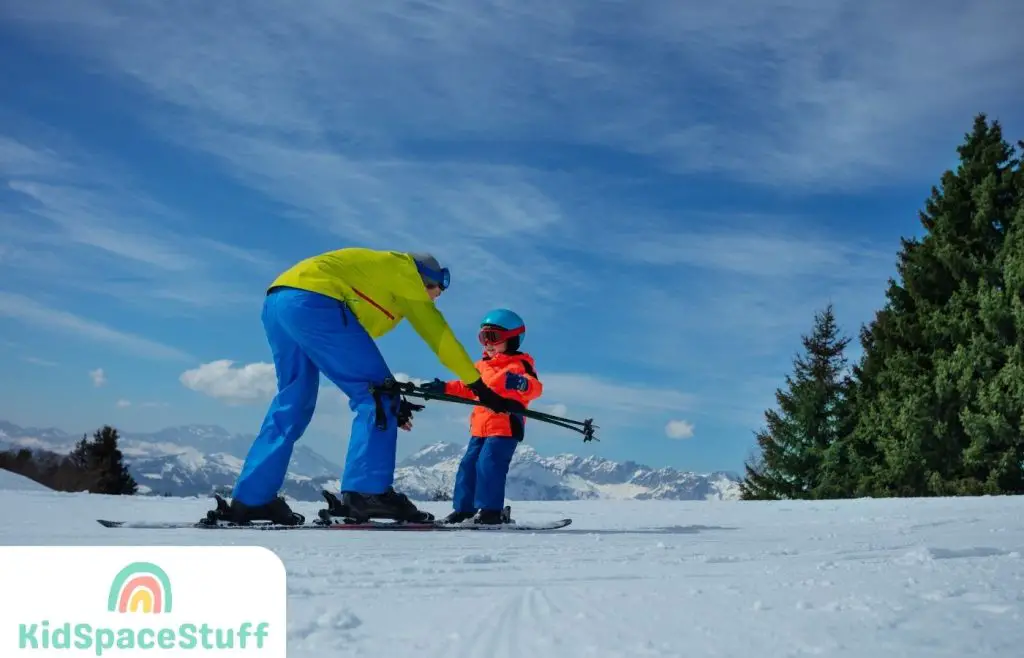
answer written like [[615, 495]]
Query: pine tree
[[994, 424], [103, 464], [810, 418], [927, 381], [112, 473]]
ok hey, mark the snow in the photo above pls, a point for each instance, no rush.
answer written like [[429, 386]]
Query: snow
[[10, 481], [910, 578]]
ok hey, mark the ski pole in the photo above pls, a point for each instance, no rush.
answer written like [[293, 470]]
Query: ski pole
[[584, 427]]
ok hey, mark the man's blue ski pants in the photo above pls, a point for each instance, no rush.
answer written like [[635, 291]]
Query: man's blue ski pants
[[310, 334]]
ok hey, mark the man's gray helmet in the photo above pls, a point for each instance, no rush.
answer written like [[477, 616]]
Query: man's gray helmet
[[431, 271]]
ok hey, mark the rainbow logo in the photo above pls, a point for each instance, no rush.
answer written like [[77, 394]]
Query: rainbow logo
[[140, 587]]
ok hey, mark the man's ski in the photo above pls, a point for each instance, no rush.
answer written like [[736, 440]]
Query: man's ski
[[335, 517], [517, 526]]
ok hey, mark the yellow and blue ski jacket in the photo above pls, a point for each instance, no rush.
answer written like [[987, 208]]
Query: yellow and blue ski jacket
[[382, 288]]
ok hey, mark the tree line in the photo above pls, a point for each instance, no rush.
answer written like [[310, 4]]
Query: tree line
[[94, 466], [934, 405]]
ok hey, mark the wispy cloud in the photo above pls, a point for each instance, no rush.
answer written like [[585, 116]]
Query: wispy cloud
[[821, 93], [817, 94], [743, 248], [98, 377], [29, 311], [613, 402], [45, 363], [564, 393], [74, 221], [125, 403]]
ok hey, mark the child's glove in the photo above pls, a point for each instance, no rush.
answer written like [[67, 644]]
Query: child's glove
[[516, 382], [436, 387], [492, 400]]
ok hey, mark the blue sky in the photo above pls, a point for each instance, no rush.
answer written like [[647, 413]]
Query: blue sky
[[666, 194]]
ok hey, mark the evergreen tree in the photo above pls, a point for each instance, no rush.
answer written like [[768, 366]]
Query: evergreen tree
[[810, 418], [994, 425], [80, 457], [930, 406], [111, 471], [103, 461]]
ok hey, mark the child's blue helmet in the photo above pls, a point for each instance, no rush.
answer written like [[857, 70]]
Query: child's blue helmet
[[500, 325]]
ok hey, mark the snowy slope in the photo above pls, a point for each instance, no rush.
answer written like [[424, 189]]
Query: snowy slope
[[197, 459], [851, 579], [14, 482]]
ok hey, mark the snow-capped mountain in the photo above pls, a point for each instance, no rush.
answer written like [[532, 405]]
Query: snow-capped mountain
[[182, 461], [564, 477], [195, 460]]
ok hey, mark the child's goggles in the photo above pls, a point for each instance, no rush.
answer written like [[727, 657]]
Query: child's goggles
[[495, 335]]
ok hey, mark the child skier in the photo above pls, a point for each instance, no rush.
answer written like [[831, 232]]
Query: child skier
[[480, 482]]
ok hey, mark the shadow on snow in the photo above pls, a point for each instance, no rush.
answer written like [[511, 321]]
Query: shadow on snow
[[665, 530]]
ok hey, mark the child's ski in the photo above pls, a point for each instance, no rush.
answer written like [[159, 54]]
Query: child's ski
[[341, 525]]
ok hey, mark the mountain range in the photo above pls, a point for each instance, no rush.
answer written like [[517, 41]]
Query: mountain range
[[195, 460]]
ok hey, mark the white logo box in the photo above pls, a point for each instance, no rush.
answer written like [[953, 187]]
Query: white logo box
[[139, 601]]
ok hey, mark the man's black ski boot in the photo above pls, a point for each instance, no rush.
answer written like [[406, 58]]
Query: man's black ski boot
[[276, 511], [335, 509], [458, 517], [494, 516], [388, 505]]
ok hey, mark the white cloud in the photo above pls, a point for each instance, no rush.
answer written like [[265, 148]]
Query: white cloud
[[40, 362], [111, 238], [622, 404], [99, 378], [32, 312], [403, 377], [834, 93], [679, 429], [252, 382], [744, 246], [122, 404], [626, 402], [554, 409], [612, 398]]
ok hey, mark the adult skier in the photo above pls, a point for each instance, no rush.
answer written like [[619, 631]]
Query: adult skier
[[494, 437], [322, 316]]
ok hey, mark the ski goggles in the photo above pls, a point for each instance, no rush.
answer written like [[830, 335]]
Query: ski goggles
[[495, 336], [441, 278]]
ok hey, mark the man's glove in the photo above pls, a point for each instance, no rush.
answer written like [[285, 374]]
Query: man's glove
[[436, 387], [516, 382], [405, 409], [492, 400]]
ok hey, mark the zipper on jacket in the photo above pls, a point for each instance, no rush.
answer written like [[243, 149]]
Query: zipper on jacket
[[375, 304]]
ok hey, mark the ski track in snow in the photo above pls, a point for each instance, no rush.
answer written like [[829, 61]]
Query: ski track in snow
[[868, 578]]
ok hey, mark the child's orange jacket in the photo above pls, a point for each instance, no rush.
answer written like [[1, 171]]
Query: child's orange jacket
[[495, 372]]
